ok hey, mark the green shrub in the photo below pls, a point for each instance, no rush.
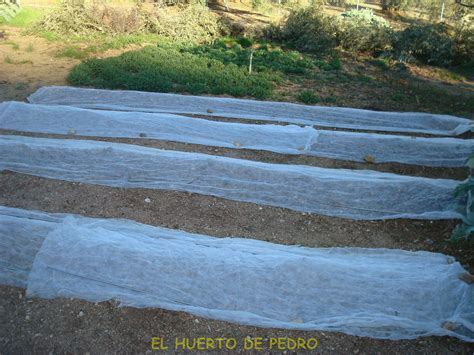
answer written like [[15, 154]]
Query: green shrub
[[308, 97], [430, 44], [333, 64], [463, 42], [307, 30], [363, 31], [166, 69], [465, 230], [310, 30], [265, 57]]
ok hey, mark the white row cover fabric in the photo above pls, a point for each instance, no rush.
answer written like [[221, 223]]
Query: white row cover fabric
[[291, 139], [255, 110], [356, 194], [380, 293], [22, 233]]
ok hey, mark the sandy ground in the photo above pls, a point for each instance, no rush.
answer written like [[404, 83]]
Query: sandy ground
[[69, 325], [24, 70]]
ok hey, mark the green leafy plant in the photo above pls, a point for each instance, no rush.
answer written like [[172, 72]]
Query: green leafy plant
[[362, 30], [465, 230], [307, 30], [265, 57], [430, 44], [308, 97], [333, 64]]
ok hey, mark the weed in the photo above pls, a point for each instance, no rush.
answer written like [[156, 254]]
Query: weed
[[76, 52], [265, 57], [21, 86], [383, 64], [308, 97], [446, 74], [8, 60], [29, 48], [333, 64], [50, 36], [15, 46], [363, 78]]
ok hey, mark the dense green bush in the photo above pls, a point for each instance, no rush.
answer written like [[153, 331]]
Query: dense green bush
[[463, 36], [430, 44], [307, 30], [363, 31], [167, 69], [265, 57]]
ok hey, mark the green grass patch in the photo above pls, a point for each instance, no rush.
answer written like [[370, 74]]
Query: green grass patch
[[15, 46], [9, 60], [446, 74], [76, 52], [383, 64], [27, 16], [51, 36], [308, 97], [333, 63], [435, 99], [168, 69]]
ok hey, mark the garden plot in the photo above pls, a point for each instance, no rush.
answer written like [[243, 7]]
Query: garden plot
[[360, 147], [72, 255], [353, 290], [334, 192], [254, 110]]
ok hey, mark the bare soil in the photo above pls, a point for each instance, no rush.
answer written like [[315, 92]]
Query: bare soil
[[23, 71]]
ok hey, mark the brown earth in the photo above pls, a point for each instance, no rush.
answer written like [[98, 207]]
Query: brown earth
[[22, 71]]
